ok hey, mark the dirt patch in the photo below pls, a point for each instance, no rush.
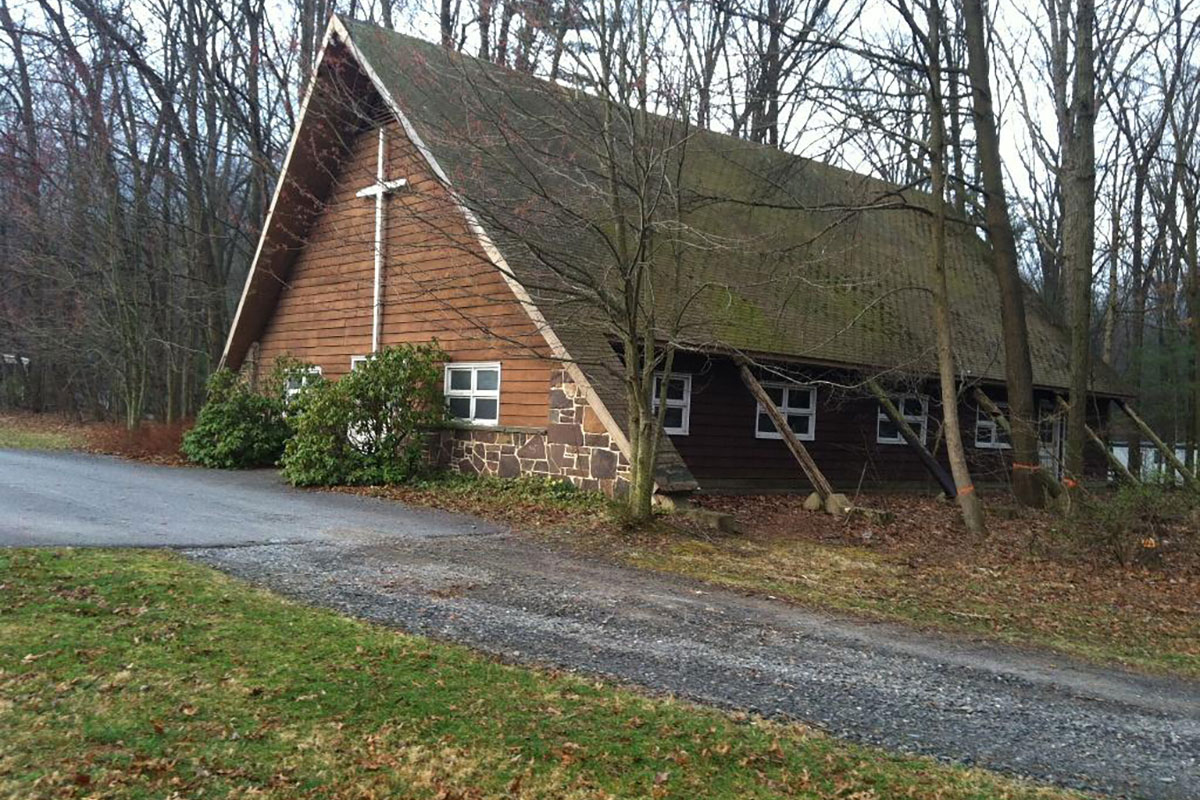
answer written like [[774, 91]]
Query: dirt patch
[[155, 442]]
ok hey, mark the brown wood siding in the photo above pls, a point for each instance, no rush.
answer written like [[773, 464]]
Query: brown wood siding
[[722, 449], [438, 284]]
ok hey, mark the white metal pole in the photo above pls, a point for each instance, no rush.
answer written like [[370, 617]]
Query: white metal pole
[[378, 306]]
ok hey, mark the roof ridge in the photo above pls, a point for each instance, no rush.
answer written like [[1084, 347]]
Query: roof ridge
[[537, 81]]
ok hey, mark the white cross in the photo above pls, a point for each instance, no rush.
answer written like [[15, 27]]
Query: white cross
[[378, 190]]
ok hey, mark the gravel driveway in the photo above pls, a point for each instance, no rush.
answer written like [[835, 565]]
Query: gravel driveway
[[463, 580]]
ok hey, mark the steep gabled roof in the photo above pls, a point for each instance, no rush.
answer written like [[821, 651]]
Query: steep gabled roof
[[820, 264], [795, 259], [343, 98]]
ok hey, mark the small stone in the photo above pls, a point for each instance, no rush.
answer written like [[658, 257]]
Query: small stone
[[534, 448], [813, 502], [604, 464], [509, 466], [566, 434], [591, 422], [837, 505]]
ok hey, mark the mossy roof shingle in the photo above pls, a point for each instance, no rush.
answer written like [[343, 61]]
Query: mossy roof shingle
[[813, 263]]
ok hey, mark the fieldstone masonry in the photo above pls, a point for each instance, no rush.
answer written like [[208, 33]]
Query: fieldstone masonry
[[574, 445]]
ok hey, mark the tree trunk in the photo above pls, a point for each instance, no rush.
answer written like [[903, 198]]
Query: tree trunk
[[1079, 198], [1192, 255], [1114, 264], [1018, 370], [645, 425], [1137, 333], [485, 29], [308, 42], [968, 499], [446, 23]]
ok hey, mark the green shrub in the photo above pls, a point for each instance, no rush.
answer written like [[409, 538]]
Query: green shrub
[[237, 427], [1135, 525], [369, 427]]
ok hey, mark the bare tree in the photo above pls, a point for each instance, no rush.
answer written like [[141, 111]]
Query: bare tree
[[929, 42], [1018, 368]]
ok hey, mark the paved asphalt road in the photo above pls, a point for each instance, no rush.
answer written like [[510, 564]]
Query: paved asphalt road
[[74, 499], [460, 579]]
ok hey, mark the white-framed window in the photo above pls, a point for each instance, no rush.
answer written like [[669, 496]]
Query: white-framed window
[[357, 361], [797, 404], [298, 380], [914, 408], [988, 434], [678, 414], [473, 392]]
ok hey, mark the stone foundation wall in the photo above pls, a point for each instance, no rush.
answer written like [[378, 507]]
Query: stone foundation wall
[[574, 445]]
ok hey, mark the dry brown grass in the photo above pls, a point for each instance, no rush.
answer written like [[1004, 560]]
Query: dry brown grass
[[1020, 585]]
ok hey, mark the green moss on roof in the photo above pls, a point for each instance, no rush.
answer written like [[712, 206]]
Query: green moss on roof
[[803, 278]]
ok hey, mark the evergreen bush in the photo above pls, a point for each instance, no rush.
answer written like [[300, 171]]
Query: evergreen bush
[[238, 427], [368, 427]]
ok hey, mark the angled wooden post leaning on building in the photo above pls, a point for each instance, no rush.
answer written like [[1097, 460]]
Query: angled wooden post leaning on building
[[811, 470], [1168, 454], [1052, 487], [1113, 461], [910, 436]]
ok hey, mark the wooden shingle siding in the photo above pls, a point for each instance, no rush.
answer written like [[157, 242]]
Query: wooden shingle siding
[[438, 284]]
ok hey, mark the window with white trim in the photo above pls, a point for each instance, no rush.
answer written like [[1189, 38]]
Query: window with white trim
[[797, 404], [473, 392], [988, 434], [357, 361], [678, 413], [297, 380], [913, 408]]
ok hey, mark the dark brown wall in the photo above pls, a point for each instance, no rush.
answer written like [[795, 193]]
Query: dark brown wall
[[722, 452]]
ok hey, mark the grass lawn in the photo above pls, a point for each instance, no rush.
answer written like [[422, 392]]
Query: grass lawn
[[155, 442], [127, 674], [39, 432]]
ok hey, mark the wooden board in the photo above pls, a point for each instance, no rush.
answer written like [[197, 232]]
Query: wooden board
[[438, 284]]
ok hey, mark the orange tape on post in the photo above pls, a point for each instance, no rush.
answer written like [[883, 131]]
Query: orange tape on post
[[1030, 467], [966, 489], [1070, 483]]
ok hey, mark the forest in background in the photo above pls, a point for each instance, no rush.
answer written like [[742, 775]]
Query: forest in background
[[139, 144]]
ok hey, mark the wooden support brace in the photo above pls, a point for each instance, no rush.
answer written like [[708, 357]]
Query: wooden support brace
[[935, 469], [1169, 454], [811, 471], [1115, 462], [1052, 487]]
